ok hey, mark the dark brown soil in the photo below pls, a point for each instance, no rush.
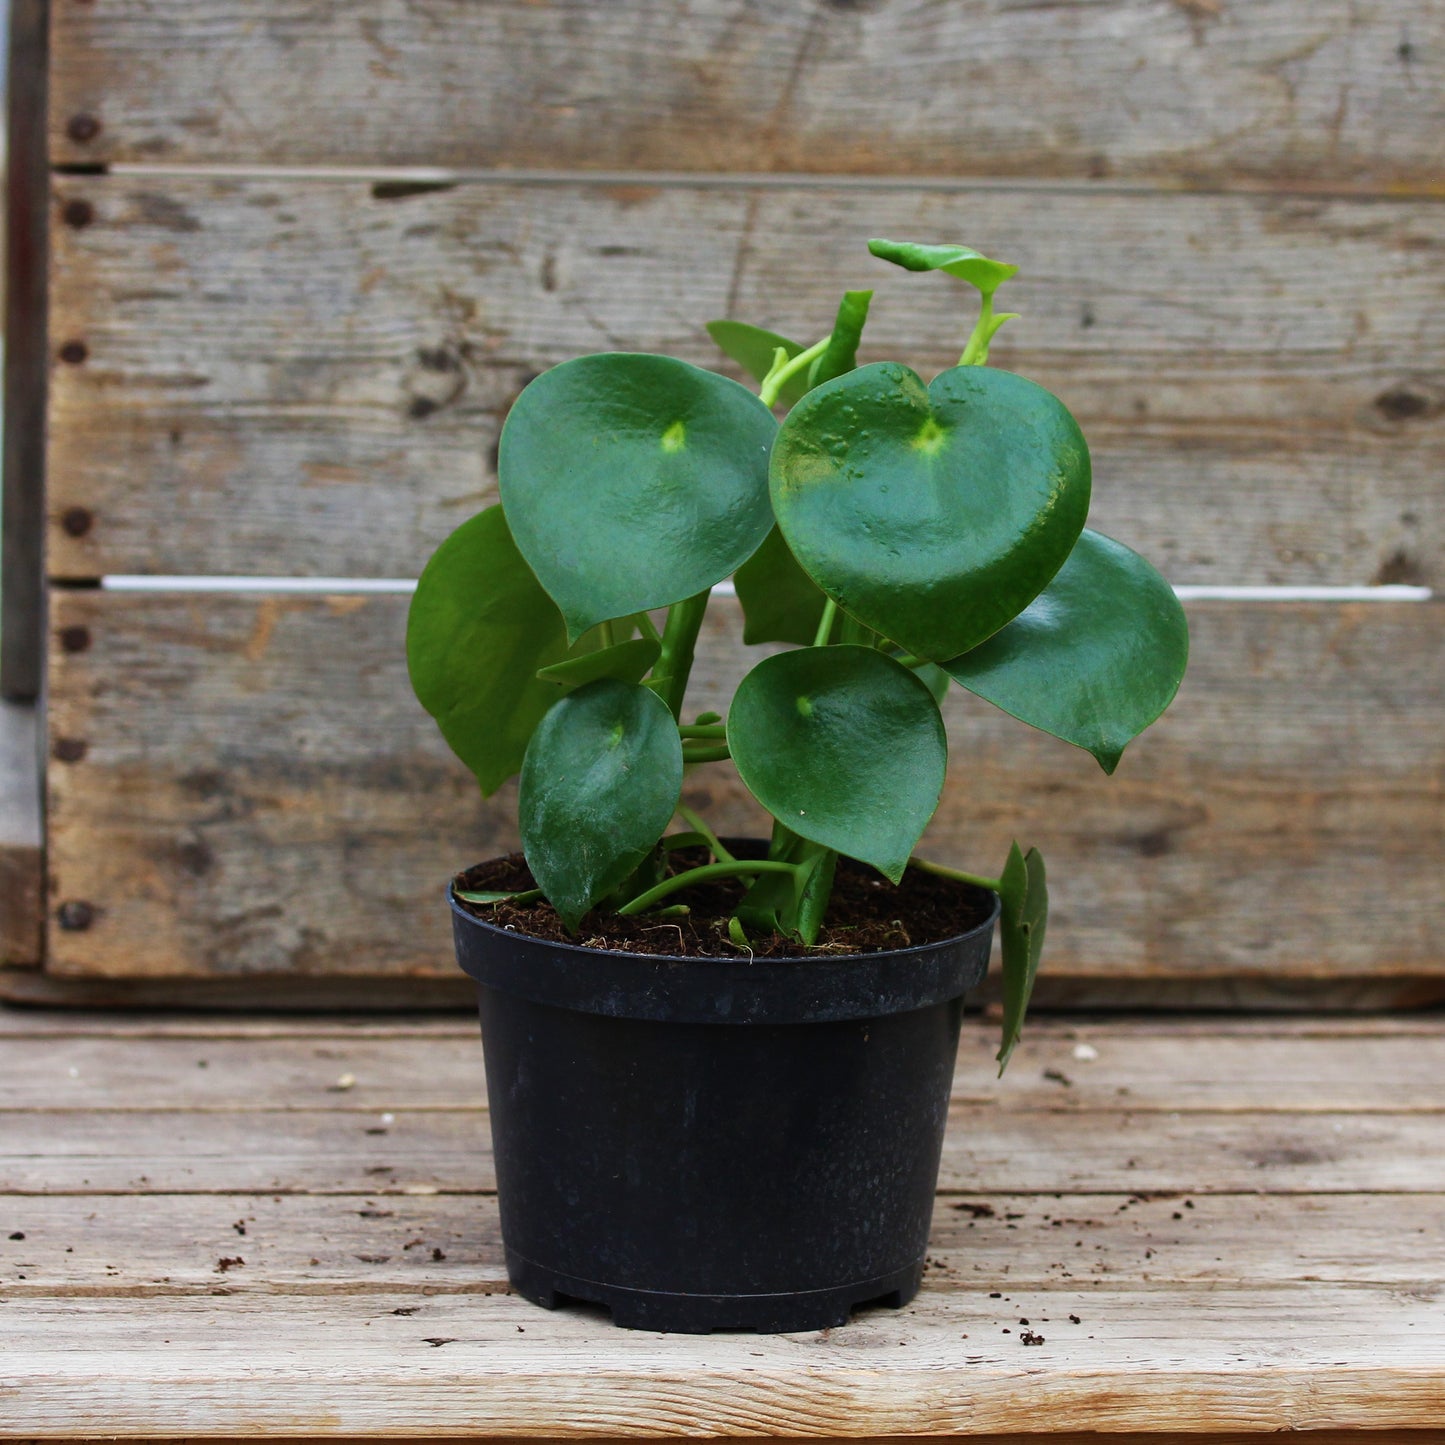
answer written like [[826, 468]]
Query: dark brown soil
[[867, 913]]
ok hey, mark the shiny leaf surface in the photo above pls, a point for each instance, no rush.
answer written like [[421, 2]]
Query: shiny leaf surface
[[479, 627], [933, 514], [755, 349], [626, 661], [600, 783], [1094, 659], [780, 602], [958, 261], [633, 481], [845, 746], [1023, 917]]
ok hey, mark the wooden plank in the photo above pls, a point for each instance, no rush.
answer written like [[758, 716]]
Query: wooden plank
[[988, 1151], [22, 908], [1209, 1358], [320, 367], [258, 794], [26, 356], [1279, 91], [77, 1246], [1054, 1068]]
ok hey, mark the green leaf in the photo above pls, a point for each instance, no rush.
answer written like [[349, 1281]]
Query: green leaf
[[626, 661], [600, 783], [1094, 659], [958, 261], [1023, 917], [755, 349], [479, 628], [633, 481], [935, 679], [842, 353], [780, 602], [845, 747], [933, 515], [524, 895]]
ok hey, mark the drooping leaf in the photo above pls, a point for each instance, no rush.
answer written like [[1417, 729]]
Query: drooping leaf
[[487, 896], [633, 481], [755, 350], [626, 661], [600, 783], [480, 626], [842, 353], [845, 747], [958, 261], [780, 602], [1094, 659], [933, 514], [1023, 917]]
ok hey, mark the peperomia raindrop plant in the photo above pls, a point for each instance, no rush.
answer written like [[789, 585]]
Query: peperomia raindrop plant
[[903, 535]]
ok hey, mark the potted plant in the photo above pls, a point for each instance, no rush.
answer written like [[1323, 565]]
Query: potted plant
[[719, 1069]]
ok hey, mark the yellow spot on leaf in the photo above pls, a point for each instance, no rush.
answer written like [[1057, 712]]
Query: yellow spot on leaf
[[674, 439]]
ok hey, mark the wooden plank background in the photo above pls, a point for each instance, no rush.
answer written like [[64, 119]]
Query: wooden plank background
[[1309, 93], [276, 352]]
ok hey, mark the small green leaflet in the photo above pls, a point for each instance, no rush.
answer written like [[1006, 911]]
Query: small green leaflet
[[968, 265], [755, 350], [627, 661]]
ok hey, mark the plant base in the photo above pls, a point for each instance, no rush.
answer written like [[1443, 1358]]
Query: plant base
[[699, 1314]]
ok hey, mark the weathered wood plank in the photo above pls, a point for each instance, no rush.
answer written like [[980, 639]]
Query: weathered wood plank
[[253, 791], [1054, 1068], [1207, 1358], [988, 1151], [320, 371], [161, 1244], [1281, 91], [22, 884]]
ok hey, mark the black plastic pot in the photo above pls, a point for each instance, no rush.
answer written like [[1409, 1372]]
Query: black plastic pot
[[706, 1144]]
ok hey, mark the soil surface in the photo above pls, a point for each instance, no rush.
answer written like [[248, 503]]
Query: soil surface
[[867, 913]]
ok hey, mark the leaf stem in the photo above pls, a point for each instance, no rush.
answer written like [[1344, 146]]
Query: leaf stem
[[987, 327], [957, 874], [648, 628], [708, 871], [825, 623], [702, 730], [679, 641], [706, 755], [909, 659], [782, 370], [697, 825]]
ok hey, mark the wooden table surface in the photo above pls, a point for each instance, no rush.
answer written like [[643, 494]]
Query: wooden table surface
[[254, 1227]]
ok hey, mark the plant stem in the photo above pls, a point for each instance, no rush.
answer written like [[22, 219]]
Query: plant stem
[[988, 326], [993, 885], [702, 730], [697, 825], [706, 755], [908, 659], [609, 634], [708, 871], [774, 380], [648, 628], [825, 623], [679, 641]]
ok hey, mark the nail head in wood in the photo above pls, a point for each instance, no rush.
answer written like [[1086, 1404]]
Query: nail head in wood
[[77, 213], [74, 352], [69, 750], [75, 915], [82, 128], [74, 639], [77, 521]]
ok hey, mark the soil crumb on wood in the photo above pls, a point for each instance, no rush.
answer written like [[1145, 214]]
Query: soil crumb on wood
[[867, 913]]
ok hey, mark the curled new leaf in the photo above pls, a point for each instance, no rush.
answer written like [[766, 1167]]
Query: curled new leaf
[[841, 355], [845, 747], [600, 783], [479, 628], [1023, 917], [633, 481], [958, 261], [932, 514], [1094, 659]]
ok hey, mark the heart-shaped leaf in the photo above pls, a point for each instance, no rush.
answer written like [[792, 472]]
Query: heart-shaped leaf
[[1023, 917], [627, 661], [780, 602], [933, 515], [958, 261], [600, 783], [1094, 659], [755, 350], [480, 626], [844, 746], [842, 353], [633, 481]]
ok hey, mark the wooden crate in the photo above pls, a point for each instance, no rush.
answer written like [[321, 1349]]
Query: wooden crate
[[301, 264]]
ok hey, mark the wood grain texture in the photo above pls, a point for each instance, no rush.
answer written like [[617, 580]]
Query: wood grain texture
[[1276, 91], [260, 795], [1191, 1271], [22, 884], [295, 376]]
